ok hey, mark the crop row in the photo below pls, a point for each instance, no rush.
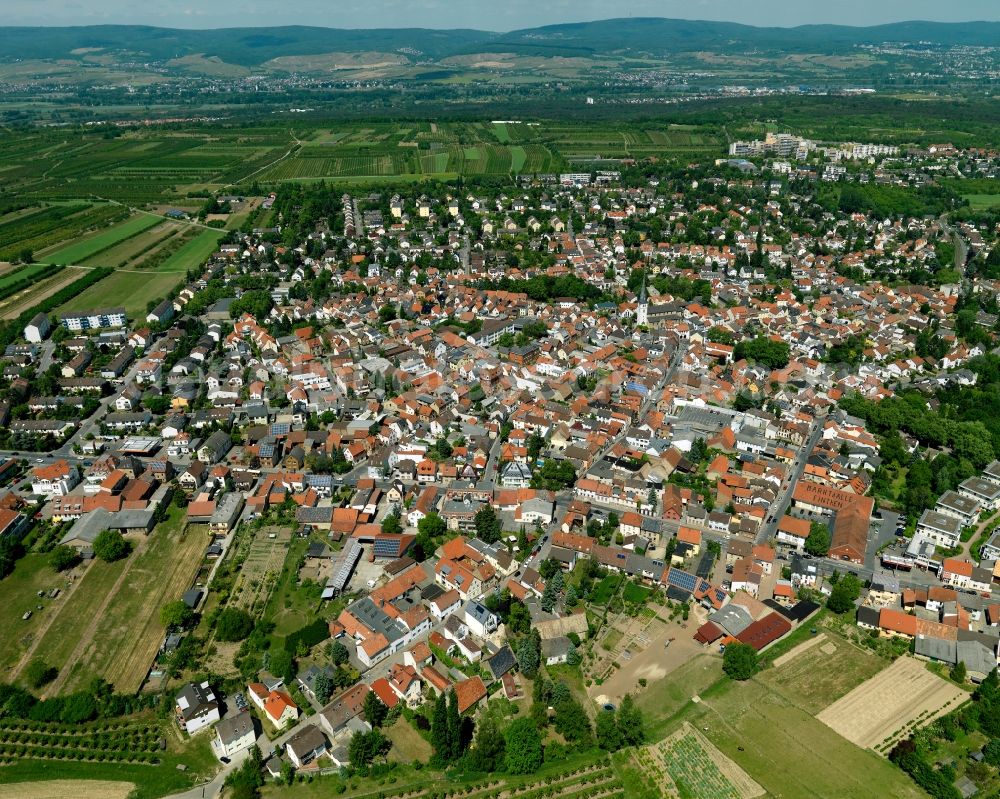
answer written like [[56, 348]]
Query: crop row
[[107, 742], [20, 751], [69, 229], [86, 728]]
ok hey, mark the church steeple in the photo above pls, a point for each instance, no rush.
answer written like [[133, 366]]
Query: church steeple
[[642, 311]]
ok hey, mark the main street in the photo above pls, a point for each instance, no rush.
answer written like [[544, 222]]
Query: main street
[[769, 528]]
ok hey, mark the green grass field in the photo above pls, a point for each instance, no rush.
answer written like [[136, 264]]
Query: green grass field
[[79, 251], [194, 253], [131, 289], [780, 745], [982, 202], [21, 273], [19, 593], [77, 611], [814, 679]]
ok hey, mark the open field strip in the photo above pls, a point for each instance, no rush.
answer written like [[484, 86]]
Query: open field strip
[[889, 706], [59, 789], [85, 248]]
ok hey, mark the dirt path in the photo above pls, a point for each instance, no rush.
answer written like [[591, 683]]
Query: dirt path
[[798, 650], [49, 620], [85, 637]]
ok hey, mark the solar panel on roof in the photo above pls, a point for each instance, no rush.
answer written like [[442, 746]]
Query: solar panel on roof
[[682, 580]]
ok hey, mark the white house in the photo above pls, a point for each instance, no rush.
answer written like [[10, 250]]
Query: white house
[[54, 480], [234, 734], [196, 707]]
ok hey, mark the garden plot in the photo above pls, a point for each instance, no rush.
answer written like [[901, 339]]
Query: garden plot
[[261, 568], [687, 764], [892, 704]]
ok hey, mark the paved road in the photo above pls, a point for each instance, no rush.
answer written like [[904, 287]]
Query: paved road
[[770, 526]]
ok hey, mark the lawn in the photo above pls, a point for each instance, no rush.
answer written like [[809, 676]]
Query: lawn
[[62, 636], [85, 248], [662, 700], [605, 589], [982, 202], [818, 677], [131, 289], [19, 593], [634, 593], [407, 744], [781, 746], [136, 246]]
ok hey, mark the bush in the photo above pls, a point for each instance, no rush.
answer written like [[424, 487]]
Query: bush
[[63, 557], [39, 673], [233, 624]]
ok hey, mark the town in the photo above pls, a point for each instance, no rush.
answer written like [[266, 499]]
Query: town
[[468, 470]]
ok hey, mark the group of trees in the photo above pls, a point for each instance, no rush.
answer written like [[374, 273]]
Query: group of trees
[[740, 661], [489, 528], [846, 589], [449, 735], [621, 727], [554, 475], [763, 350], [110, 545]]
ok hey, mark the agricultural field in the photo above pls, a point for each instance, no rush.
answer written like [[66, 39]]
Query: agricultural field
[[29, 778], [584, 777], [192, 254], [892, 704], [13, 305], [114, 742], [54, 225], [88, 247], [687, 764], [111, 628], [127, 636], [982, 202], [265, 557]]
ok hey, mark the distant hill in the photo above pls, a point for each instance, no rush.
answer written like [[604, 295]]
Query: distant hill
[[657, 35], [253, 46]]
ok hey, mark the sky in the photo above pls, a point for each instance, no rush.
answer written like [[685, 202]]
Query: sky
[[481, 14]]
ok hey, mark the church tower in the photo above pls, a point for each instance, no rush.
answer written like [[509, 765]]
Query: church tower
[[642, 311]]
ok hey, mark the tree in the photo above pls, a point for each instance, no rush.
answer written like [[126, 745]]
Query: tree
[[740, 661], [609, 737], [440, 741], [522, 747], [374, 709], [488, 527], [63, 557], [432, 526], [959, 672], [282, 664], [338, 653], [454, 722], [233, 624], [487, 753], [391, 524], [323, 687], [26, 256], [366, 746], [553, 590], [529, 655], [38, 673], [110, 545], [818, 541], [572, 722], [176, 614], [630, 722], [846, 590]]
